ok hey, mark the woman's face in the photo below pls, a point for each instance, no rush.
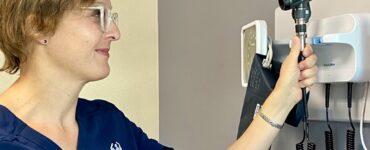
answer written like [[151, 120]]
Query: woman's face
[[79, 48]]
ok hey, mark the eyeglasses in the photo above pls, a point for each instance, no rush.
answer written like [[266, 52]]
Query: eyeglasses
[[106, 16]]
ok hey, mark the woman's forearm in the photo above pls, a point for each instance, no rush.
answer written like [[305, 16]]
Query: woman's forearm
[[260, 134]]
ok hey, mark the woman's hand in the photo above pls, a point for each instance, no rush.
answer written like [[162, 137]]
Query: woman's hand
[[294, 75]]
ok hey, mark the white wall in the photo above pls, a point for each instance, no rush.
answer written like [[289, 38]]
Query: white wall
[[133, 83]]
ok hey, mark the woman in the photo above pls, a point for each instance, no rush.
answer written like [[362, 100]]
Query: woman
[[58, 46]]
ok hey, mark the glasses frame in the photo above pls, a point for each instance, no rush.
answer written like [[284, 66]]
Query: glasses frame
[[111, 16]]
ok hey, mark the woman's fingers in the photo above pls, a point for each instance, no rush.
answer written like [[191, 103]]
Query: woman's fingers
[[308, 73], [308, 51], [309, 62], [294, 51], [307, 82]]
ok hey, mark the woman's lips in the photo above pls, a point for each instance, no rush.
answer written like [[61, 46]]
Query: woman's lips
[[103, 51]]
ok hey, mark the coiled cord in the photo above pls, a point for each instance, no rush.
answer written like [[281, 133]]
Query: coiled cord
[[350, 139], [299, 146], [350, 133], [311, 146], [329, 142]]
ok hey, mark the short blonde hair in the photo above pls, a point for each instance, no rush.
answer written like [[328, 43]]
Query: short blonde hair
[[24, 20]]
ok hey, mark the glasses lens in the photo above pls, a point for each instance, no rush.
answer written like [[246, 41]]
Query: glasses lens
[[109, 18], [115, 18]]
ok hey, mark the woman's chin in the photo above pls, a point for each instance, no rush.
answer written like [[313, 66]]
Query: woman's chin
[[95, 76]]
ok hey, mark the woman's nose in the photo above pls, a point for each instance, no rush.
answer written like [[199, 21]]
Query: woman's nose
[[114, 32]]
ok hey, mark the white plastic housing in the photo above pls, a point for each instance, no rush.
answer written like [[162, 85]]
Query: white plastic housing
[[342, 44]]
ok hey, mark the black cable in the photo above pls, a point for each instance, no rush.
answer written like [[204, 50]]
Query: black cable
[[305, 118], [350, 119], [299, 146], [350, 133], [350, 139], [329, 142], [311, 146]]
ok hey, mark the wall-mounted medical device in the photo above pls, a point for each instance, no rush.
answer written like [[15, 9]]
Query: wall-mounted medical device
[[342, 45]]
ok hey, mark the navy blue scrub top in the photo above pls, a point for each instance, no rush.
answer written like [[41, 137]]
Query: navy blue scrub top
[[102, 126]]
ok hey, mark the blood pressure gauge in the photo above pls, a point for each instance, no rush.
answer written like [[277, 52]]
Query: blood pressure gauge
[[253, 40]]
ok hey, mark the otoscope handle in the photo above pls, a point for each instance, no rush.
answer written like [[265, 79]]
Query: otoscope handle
[[302, 38]]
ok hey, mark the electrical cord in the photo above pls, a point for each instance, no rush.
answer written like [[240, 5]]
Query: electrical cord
[[329, 142], [363, 116], [310, 145], [350, 133], [299, 146]]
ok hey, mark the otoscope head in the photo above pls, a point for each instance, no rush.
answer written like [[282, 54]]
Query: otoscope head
[[293, 4], [300, 8], [302, 11], [285, 4]]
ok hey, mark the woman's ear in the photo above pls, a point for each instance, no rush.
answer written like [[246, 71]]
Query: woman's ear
[[39, 38], [43, 41], [32, 33]]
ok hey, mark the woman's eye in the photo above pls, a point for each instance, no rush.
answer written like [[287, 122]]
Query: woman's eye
[[95, 13]]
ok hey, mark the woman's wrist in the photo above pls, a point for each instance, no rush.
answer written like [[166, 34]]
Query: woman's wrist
[[278, 105]]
